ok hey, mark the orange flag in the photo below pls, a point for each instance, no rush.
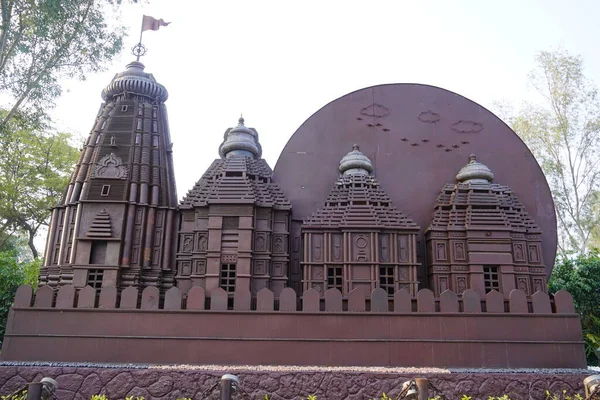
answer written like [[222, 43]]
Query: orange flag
[[152, 24]]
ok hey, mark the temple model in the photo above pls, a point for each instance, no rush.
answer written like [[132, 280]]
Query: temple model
[[359, 239], [234, 223], [482, 238], [115, 223]]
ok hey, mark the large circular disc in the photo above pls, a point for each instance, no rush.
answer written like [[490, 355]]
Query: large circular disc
[[418, 137]]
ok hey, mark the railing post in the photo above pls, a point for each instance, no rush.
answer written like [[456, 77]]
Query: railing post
[[34, 391], [422, 388], [229, 384]]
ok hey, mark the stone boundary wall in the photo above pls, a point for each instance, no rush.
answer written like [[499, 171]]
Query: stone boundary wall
[[445, 332], [80, 383]]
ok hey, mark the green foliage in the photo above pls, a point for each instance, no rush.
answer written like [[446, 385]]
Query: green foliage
[[43, 42], [11, 276], [563, 396], [34, 171], [20, 395], [563, 132], [14, 271], [581, 278]]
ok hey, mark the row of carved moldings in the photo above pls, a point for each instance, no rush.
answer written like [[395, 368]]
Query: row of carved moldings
[[448, 302], [361, 250], [187, 244], [191, 267], [459, 253]]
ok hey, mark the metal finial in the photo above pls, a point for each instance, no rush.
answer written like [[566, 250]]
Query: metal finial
[[241, 120], [472, 158], [355, 147], [138, 50]]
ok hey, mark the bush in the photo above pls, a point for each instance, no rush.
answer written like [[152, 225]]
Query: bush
[[12, 275], [581, 278]]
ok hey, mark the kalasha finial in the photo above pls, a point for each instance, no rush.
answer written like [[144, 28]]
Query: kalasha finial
[[474, 172], [355, 163], [240, 141]]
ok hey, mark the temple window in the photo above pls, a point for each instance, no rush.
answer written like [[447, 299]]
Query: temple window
[[334, 278], [386, 279], [105, 190], [490, 279], [95, 277], [227, 282]]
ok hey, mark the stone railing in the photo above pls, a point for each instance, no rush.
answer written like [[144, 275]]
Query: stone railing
[[451, 331], [196, 300]]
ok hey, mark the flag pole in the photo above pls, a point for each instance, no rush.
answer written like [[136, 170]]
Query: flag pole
[[141, 33]]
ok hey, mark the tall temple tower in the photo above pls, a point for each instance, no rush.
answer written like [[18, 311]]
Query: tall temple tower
[[359, 239], [481, 237], [234, 224], [115, 224]]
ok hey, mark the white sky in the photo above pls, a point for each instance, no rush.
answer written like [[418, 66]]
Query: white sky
[[280, 61]]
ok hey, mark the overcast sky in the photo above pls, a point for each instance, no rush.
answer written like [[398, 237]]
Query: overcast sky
[[278, 62]]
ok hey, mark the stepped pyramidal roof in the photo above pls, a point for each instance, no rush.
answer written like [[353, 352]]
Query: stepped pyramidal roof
[[240, 176], [357, 199], [475, 201]]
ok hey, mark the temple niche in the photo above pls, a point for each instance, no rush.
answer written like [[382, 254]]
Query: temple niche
[[359, 239], [234, 224], [481, 237]]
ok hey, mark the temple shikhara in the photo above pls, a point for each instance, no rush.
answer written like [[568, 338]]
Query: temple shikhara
[[397, 205]]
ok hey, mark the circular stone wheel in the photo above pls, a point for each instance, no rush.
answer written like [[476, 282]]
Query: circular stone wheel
[[418, 138]]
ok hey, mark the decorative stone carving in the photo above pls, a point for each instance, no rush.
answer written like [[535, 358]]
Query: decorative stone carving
[[440, 252], [261, 242], [461, 284], [278, 245], [384, 247], [337, 247], [110, 167], [200, 267], [186, 245], [202, 241], [459, 251], [260, 267], [519, 254]]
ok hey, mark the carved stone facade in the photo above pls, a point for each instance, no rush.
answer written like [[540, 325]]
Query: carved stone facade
[[359, 239], [235, 222], [115, 223], [481, 237], [119, 223]]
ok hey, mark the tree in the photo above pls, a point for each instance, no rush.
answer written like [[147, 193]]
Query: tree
[[581, 278], [34, 171], [563, 133], [43, 41], [13, 274]]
